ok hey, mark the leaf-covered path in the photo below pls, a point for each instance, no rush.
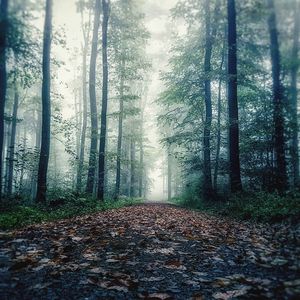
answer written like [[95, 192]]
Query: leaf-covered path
[[150, 252]]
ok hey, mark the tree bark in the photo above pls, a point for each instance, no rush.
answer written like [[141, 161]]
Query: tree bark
[[84, 121], [93, 104], [120, 130], [132, 167], [234, 151], [101, 170], [169, 177], [294, 95], [278, 104], [207, 182], [3, 78], [46, 108], [219, 121], [13, 140]]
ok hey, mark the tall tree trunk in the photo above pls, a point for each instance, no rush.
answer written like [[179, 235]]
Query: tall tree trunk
[[77, 122], [120, 131], [21, 183], [141, 175], [207, 182], [93, 104], [294, 95], [13, 140], [234, 151], [6, 150], [84, 121], [101, 171], [3, 79], [46, 108], [219, 120], [169, 177], [132, 167], [278, 102]]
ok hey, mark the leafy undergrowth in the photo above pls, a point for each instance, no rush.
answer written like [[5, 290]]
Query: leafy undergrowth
[[262, 207], [19, 216], [151, 252]]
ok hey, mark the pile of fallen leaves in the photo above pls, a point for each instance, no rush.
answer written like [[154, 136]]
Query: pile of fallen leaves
[[150, 252]]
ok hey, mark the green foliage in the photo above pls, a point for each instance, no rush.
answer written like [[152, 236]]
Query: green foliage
[[260, 207], [263, 207], [62, 208]]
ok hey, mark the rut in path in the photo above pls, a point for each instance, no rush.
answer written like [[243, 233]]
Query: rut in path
[[151, 251]]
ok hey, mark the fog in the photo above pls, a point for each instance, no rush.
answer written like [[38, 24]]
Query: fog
[[158, 22], [148, 99]]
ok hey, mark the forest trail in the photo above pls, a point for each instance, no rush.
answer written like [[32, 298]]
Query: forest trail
[[150, 252]]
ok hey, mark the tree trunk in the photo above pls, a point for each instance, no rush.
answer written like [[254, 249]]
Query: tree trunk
[[141, 177], [46, 108], [219, 121], [101, 171], [120, 131], [93, 104], [278, 102], [23, 162], [84, 121], [234, 151], [12, 140], [294, 96], [132, 167], [3, 78], [207, 182], [169, 174]]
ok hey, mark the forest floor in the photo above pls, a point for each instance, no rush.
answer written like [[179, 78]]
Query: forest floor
[[150, 251]]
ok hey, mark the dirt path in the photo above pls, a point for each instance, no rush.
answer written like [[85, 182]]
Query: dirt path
[[150, 251]]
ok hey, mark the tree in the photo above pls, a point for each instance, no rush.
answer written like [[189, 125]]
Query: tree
[[46, 107], [93, 104], [3, 77], [278, 104], [85, 46], [294, 95], [101, 170], [210, 32], [234, 152], [13, 137], [120, 130]]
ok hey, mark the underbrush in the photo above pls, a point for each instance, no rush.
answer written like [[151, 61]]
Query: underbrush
[[260, 207], [16, 216]]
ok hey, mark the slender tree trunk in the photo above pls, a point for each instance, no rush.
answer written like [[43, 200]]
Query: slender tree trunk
[[279, 143], [120, 131], [234, 151], [4, 152], [101, 170], [93, 104], [132, 168], [3, 79], [207, 182], [37, 147], [169, 178], [219, 121], [21, 184], [12, 141], [38, 133], [46, 108], [84, 121], [141, 176], [77, 122], [294, 95], [6, 158]]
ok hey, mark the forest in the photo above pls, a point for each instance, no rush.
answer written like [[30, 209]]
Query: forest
[[149, 149]]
